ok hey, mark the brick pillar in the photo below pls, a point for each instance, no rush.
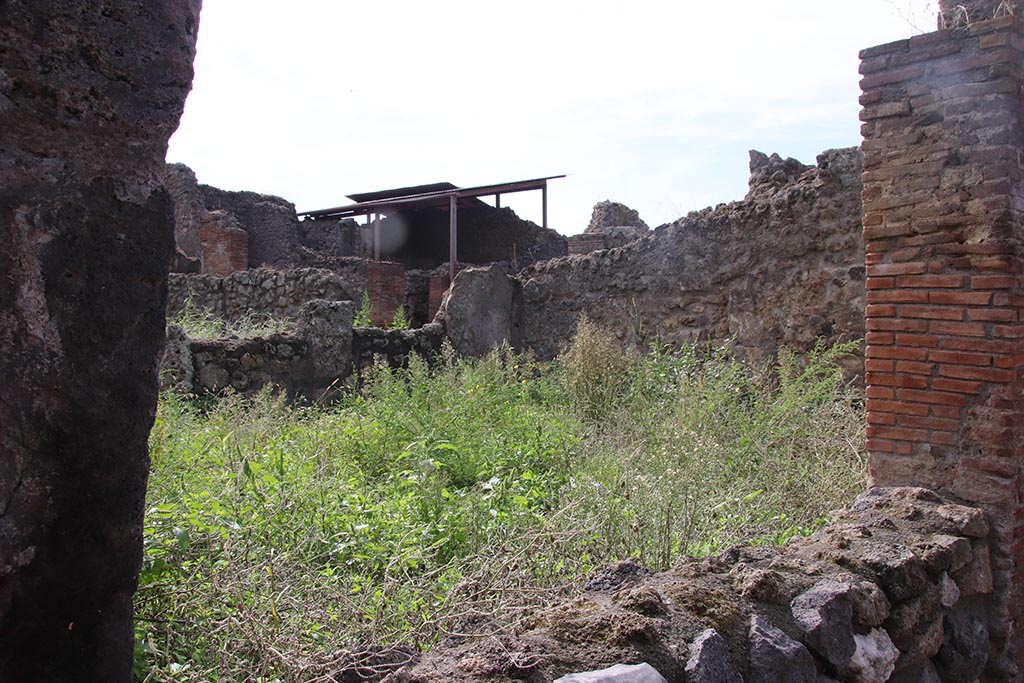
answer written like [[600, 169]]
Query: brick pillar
[[225, 244], [385, 286], [943, 196], [438, 285]]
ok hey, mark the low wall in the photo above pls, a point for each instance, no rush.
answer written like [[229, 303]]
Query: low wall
[[895, 589], [312, 363], [395, 346], [278, 293]]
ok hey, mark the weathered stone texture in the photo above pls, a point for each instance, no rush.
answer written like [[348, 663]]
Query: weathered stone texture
[[89, 94], [277, 293], [783, 266], [822, 612], [960, 13], [943, 190], [609, 214], [180, 182], [311, 363], [270, 221], [482, 311]]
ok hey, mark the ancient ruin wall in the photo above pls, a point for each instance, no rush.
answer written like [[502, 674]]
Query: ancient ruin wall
[[943, 198], [262, 291], [895, 589], [782, 267], [90, 92]]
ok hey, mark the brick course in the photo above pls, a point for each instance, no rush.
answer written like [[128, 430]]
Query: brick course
[[942, 194], [385, 287]]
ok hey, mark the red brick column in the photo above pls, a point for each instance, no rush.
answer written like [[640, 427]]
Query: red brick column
[[943, 196], [225, 245], [385, 286]]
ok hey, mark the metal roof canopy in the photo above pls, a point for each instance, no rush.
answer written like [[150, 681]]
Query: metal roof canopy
[[433, 196]]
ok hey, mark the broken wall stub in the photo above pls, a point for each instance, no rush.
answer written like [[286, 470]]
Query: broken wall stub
[[943, 201], [279, 294], [89, 95], [782, 267]]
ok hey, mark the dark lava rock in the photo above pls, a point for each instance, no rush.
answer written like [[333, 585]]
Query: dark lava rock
[[90, 92], [775, 657], [710, 661], [825, 615]]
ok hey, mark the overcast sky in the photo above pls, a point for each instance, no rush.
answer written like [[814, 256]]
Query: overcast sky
[[650, 103]]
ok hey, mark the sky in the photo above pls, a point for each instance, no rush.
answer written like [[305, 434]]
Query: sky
[[654, 104]]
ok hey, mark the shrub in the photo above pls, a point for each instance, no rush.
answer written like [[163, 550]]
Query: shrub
[[595, 369]]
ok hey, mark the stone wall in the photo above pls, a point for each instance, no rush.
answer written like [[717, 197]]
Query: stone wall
[[90, 92], [943, 224], [782, 267], [393, 347], [278, 293], [895, 589], [311, 364]]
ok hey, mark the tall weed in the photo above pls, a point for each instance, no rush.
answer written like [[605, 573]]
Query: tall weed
[[468, 492]]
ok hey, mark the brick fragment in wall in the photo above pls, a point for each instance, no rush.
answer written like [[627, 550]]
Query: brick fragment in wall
[[438, 286], [385, 287], [225, 245]]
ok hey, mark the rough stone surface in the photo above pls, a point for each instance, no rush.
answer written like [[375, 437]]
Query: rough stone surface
[[960, 13], [710, 661], [874, 657], [774, 656], [276, 293], [619, 673], [370, 344], [177, 367], [627, 614], [180, 182], [327, 325], [824, 615], [609, 214], [481, 311], [271, 223], [965, 648], [783, 266], [89, 94]]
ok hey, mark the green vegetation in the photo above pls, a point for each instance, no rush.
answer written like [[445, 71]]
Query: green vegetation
[[200, 323], [362, 316], [277, 535], [400, 321]]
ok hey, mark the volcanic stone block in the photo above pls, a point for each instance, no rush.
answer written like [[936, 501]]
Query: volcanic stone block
[[90, 92]]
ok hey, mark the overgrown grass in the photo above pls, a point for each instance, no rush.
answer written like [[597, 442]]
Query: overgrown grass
[[277, 535]]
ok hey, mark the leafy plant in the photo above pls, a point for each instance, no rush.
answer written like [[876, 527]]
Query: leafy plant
[[362, 316], [400, 322]]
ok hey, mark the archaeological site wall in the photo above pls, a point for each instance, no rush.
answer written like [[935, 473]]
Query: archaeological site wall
[[943, 191], [782, 267], [89, 94], [263, 291]]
